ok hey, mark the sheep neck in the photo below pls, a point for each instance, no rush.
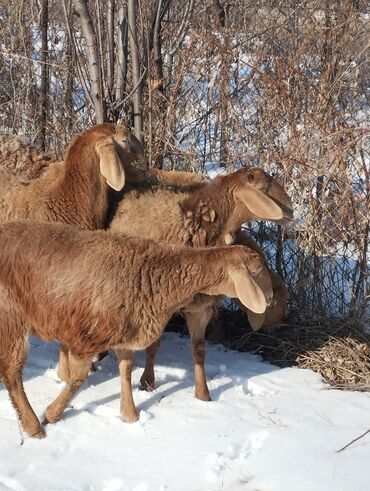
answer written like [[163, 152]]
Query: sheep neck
[[184, 276], [81, 190], [211, 212]]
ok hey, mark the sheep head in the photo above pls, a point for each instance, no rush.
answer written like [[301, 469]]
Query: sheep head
[[121, 155], [131, 152], [264, 197], [246, 278], [275, 312]]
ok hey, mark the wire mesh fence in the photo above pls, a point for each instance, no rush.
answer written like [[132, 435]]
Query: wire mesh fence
[[323, 256], [277, 84]]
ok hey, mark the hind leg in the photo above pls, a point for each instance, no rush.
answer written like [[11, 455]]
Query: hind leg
[[63, 368], [78, 373], [125, 361], [11, 373], [148, 378]]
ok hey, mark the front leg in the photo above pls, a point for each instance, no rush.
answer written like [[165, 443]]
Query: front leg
[[197, 320], [125, 361], [78, 373], [11, 364], [147, 379]]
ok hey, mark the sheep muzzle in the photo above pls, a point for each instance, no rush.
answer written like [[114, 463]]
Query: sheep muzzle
[[278, 194]]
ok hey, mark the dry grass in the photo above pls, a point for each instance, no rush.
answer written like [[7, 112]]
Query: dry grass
[[338, 351], [344, 363]]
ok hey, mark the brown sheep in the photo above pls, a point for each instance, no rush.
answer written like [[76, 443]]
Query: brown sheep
[[176, 178], [207, 214], [22, 158], [272, 318], [95, 290], [274, 315], [77, 192]]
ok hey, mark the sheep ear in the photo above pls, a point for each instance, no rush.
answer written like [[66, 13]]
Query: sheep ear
[[247, 290], [259, 203], [255, 320], [110, 164]]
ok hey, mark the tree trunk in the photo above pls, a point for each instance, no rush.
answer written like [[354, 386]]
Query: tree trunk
[[158, 101], [122, 48], [69, 85], [94, 61], [44, 85], [110, 49], [136, 83], [221, 21], [219, 12]]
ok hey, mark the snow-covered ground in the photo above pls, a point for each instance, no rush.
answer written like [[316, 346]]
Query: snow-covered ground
[[266, 429]]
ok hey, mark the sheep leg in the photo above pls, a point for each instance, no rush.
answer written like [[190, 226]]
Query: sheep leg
[[63, 368], [147, 379], [79, 371], [197, 322], [125, 361], [12, 376]]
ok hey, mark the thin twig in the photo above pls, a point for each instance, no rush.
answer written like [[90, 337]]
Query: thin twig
[[120, 103], [353, 441]]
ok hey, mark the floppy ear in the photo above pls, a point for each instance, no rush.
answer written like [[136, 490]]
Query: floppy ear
[[259, 203], [110, 164], [247, 290], [255, 320]]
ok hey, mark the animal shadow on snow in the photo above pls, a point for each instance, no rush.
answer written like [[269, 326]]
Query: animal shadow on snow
[[174, 372]]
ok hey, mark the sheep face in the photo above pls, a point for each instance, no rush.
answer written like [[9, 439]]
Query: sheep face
[[252, 282], [272, 318], [121, 155], [275, 313], [262, 195], [129, 149], [247, 279]]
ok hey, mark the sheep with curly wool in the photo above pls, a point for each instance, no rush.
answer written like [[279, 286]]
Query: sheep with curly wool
[[78, 191], [21, 158], [273, 317], [203, 214], [95, 290]]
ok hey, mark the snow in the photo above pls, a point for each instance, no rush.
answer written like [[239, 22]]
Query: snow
[[267, 429], [214, 169]]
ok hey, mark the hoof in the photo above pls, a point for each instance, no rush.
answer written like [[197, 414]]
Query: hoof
[[38, 433], [146, 386], [147, 383], [203, 396], [51, 417], [130, 418]]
